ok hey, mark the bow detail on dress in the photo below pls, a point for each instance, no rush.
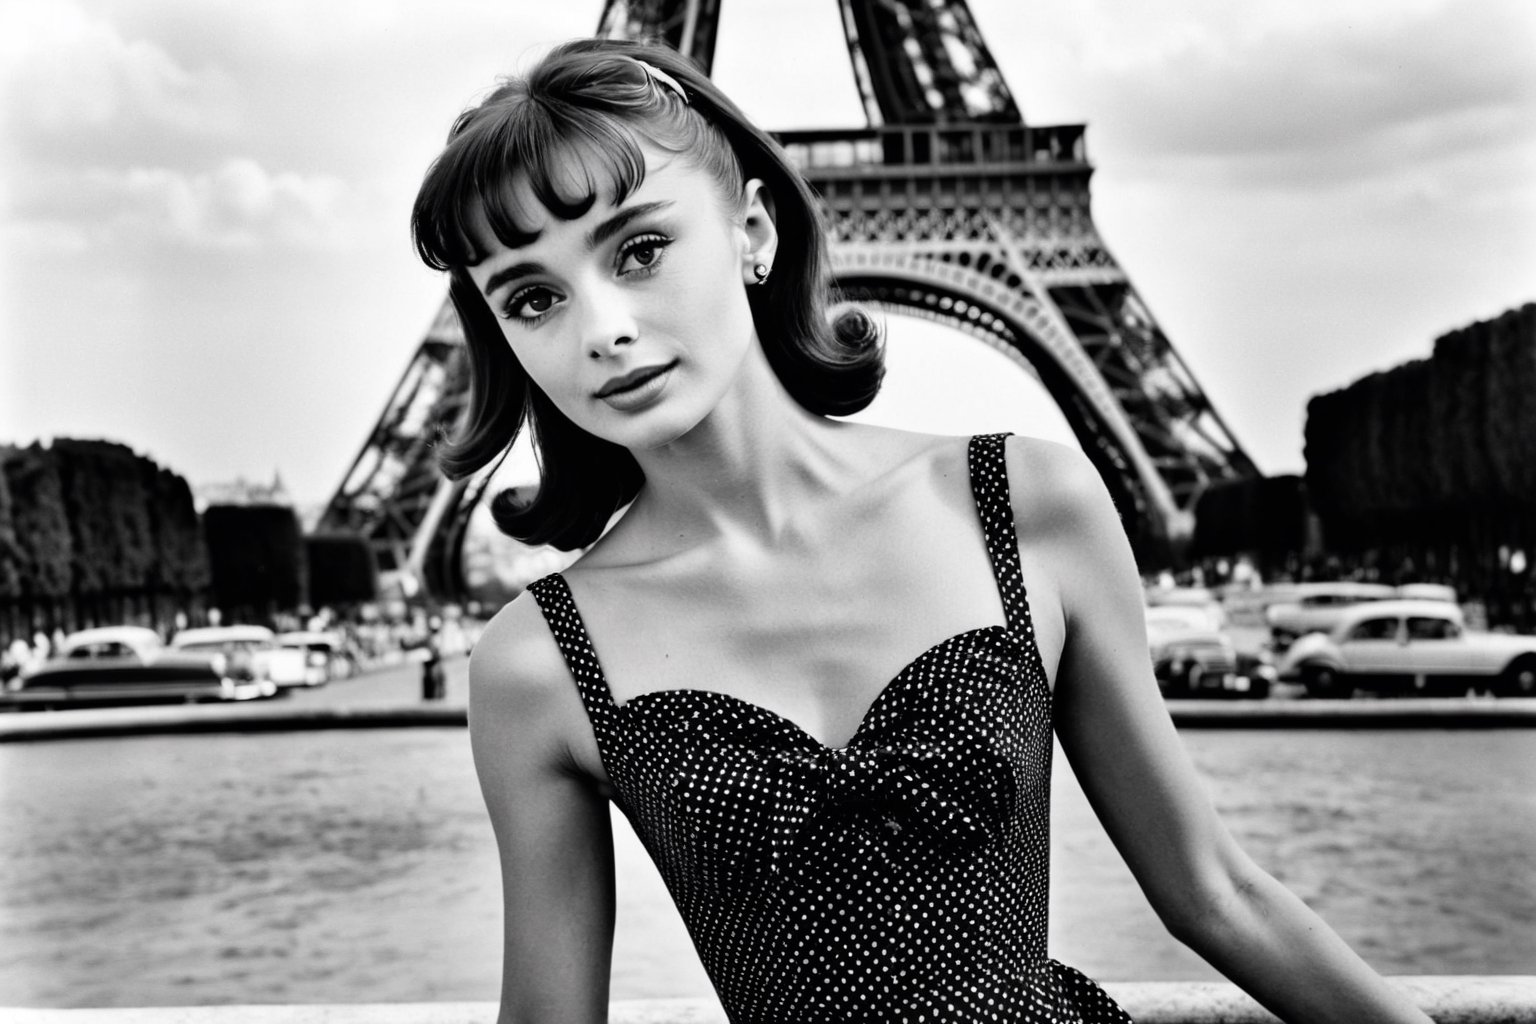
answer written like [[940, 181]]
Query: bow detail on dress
[[922, 770], [943, 791]]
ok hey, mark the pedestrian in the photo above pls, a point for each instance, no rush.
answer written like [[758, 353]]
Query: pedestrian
[[434, 680], [816, 663]]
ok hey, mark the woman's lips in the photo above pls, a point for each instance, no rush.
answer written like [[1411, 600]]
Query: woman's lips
[[636, 388]]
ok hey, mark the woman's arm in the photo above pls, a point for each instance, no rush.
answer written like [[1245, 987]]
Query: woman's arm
[[530, 738], [1120, 740]]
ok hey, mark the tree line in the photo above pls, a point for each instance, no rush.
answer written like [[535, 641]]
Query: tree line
[[92, 533]]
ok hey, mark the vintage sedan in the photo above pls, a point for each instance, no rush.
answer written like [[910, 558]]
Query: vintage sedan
[[255, 647], [1410, 647], [1192, 657], [127, 665], [325, 654], [1318, 607]]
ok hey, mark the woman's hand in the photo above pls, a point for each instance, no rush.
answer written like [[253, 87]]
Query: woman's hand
[[534, 754], [1116, 732]]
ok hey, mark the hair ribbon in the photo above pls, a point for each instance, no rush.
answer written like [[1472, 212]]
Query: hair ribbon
[[661, 78]]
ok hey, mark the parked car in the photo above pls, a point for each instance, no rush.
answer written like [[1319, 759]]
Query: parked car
[[1192, 657], [253, 646], [1188, 597], [1317, 606], [128, 665], [325, 655], [1409, 647]]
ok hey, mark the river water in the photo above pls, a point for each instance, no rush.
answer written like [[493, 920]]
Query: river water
[[357, 866]]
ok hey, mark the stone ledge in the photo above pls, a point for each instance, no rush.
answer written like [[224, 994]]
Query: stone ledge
[[1450, 999]]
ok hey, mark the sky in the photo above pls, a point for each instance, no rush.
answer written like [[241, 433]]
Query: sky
[[204, 245]]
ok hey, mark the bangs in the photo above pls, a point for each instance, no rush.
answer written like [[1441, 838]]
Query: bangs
[[567, 137], [479, 188]]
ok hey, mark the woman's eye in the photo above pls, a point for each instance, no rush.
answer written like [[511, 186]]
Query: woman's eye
[[642, 255], [530, 304]]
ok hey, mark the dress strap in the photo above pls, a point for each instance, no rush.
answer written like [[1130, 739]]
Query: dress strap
[[553, 595], [989, 483]]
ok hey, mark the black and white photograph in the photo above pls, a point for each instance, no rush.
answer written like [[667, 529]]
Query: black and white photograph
[[768, 512]]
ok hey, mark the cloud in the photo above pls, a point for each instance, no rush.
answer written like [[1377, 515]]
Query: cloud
[[75, 80], [1323, 100], [237, 205]]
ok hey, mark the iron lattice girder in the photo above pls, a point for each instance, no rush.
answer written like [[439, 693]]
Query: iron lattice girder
[[923, 62], [688, 26], [1183, 434], [394, 483], [958, 186], [914, 61]]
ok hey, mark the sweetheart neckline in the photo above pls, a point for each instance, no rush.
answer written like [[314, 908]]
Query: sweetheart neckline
[[795, 728]]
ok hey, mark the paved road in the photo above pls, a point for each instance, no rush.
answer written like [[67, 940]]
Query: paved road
[[395, 685]]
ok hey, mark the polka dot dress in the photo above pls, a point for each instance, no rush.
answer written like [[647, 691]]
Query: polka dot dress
[[902, 878]]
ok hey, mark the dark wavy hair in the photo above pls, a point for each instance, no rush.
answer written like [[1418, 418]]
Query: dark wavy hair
[[590, 104]]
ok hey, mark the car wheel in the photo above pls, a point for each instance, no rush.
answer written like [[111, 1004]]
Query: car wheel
[[1324, 682], [1519, 680]]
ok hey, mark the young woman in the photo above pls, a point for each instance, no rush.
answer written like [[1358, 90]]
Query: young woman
[[816, 663]]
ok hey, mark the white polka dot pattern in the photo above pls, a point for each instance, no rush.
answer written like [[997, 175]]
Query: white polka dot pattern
[[902, 878]]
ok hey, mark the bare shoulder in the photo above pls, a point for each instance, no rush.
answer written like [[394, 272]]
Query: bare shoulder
[[516, 658], [523, 703], [1056, 492]]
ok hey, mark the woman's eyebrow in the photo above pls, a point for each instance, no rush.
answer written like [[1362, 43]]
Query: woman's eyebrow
[[596, 237], [506, 274], [613, 225]]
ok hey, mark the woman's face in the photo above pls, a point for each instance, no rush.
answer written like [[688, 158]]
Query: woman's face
[[633, 319]]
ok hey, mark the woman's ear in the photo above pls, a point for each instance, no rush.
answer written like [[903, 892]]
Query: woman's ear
[[759, 230]]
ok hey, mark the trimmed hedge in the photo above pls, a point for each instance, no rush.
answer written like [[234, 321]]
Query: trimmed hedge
[[41, 522], [256, 558], [342, 569], [1450, 432]]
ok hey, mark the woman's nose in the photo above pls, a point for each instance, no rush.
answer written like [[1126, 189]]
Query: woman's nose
[[609, 326]]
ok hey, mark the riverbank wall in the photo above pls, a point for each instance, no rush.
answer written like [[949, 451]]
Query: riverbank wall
[[281, 716]]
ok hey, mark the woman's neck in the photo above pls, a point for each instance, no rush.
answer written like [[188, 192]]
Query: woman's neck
[[754, 464]]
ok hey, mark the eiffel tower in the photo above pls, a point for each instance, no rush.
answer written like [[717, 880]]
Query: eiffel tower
[[946, 206]]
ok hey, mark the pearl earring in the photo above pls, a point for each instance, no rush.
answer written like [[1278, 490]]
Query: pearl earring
[[760, 271]]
